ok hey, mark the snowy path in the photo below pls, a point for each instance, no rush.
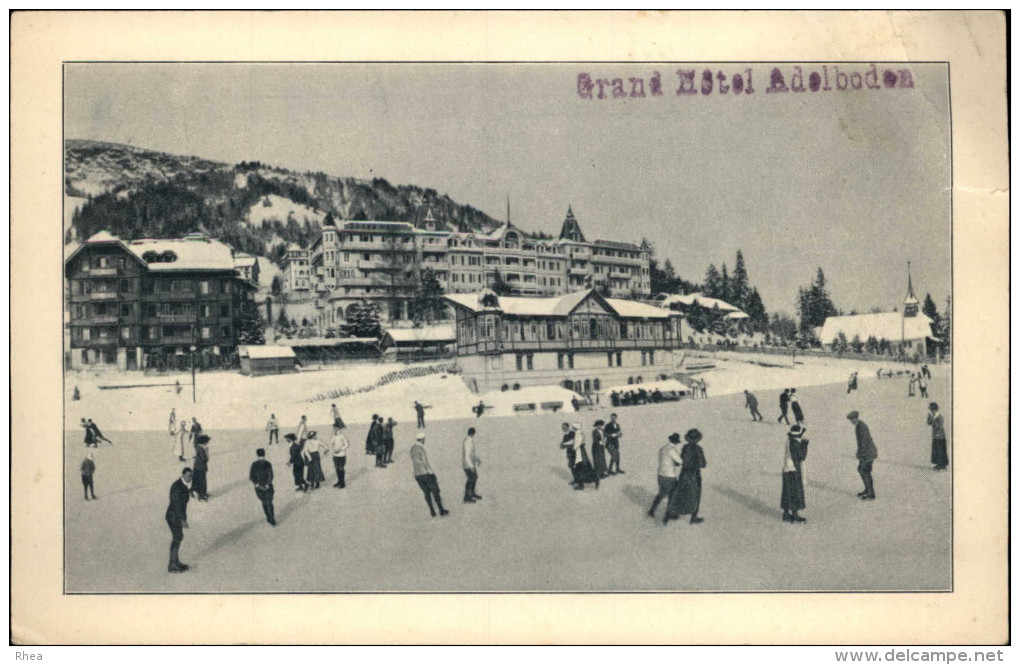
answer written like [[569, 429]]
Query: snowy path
[[532, 531]]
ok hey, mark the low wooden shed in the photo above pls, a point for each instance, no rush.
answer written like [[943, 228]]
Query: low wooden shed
[[262, 360]]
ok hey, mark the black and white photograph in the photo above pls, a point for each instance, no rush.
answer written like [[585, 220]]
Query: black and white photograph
[[618, 301], [644, 327]]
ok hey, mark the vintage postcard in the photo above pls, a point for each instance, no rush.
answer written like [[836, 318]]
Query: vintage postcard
[[368, 327]]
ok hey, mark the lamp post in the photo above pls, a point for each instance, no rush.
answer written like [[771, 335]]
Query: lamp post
[[193, 400]]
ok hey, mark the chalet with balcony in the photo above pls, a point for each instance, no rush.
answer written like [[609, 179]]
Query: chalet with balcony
[[582, 341], [145, 303]]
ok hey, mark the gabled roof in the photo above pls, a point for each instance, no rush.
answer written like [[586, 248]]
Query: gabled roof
[[192, 254], [101, 238], [559, 306], [571, 230], [265, 351], [888, 325]]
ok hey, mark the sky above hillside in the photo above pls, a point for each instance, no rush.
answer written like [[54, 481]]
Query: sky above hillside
[[856, 181]]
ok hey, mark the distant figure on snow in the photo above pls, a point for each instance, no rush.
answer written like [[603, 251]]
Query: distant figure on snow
[[613, 435], [173, 421], [425, 477], [273, 427], [867, 453], [297, 463], [419, 410], [784, 405], [910, 386], [339, 445], [751, 403], [922, 385], [200, 486], [939, 450], [76, 395], [686, 497], [261, 476], [471, 464], [88, 470], [177, 518], [479, 410], [792, 500], [371, 437], [388, 440], [598, 449], [98, 434], [183, 433], [90, 436], [334, 415], [177, 387], [583, 471], [851, 383], [311, 453]]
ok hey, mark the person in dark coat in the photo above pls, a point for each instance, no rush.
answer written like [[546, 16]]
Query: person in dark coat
[[798, 414], [261, 476], [567, 445], [669, 460], [784, 405], [419, 411], [939, 450], [297, 462], [792, 499], [613, 434], [88, 470], [867, 453], [177, 518], [686, 497], [598, 449], [200, 486], [311, 453], [751, 402], [370, 437], [388, 441], [90, 437], [98, 434], [851, 383]]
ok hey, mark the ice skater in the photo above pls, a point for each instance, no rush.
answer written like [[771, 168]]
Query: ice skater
[[792, 499], [480, 409], [598, 448], [173, 421], [302, 429], [867, 453], [669, 461], [939, 450], [183, 433], [98, 434], [583, 471], [910, 386], [273, 427], [686, 497], [388, 441], [784, 405], [334, 415], [200, 478], [851, 383], [261, 476], [419, 410], [297, 463], [371, 442], [311, 453], [90, 437], [798, 414], [177, 518], [751, 402], [339, 445], [922, 385], [613, 435], [425, 477], [88, 470], [471, 464]]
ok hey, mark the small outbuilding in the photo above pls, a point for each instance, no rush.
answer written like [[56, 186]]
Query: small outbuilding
[[425, 343], [263, 360]]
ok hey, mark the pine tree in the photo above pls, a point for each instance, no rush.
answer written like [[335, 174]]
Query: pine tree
[[929, 310], [755, 309], [740, 286], [500, 286], [252, 328], [427, 305], [363, 321], [725, 286], [713, 282]]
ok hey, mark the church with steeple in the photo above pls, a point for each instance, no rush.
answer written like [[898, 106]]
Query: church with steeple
[[909, 328]]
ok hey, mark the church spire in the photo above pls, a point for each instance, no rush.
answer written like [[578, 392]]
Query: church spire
[[571, 229], [910, 304]]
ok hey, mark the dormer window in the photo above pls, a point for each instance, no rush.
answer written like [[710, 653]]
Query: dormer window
[[168, 257]]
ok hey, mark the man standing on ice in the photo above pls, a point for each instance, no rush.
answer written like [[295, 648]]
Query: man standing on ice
[[471, 463], [613, 434], [201, 466], [177, 518], [867, 453], [339, 445], [261, 475], [669, 460], [182, 434], [371, 440], [784, 405], [273, 427], [798, 415], [751, 402], [425, 477], [419, 410], [173, 421]]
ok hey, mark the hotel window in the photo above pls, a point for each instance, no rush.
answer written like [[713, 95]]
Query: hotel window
[[520, 362], [559, 360], [125, 333], [203, 287], [619, 358], [623, 330], [86, 334], [205, 332], [125, 310], [225, 331], [644, 358], [570, 360], [225, 309], [609, 358], [651, 357], [531, 361]]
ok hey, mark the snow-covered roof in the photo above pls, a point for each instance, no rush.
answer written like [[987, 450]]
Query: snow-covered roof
[[244, 260], [440, 333], [892, 326], [738, 315], [559, 305], [191, 254], [266, 351], [697, 298], [634, 309]]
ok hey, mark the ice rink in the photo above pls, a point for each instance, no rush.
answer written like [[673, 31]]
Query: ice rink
[[532, 531]]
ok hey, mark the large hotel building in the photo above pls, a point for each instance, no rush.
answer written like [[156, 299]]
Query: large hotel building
[[380, 261]]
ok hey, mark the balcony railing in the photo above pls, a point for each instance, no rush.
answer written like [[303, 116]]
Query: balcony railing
[[510, 346], [99, 320], [176, 318], [177, 339], [578, 271], [102, 272], [103, 295]]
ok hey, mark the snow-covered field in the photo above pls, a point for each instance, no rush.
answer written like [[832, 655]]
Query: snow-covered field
[[531, 531], [279, 209]]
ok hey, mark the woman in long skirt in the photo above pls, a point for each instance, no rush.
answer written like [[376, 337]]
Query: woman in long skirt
[[686, 497], [297, 463], [313, 461], [792, 499], [939, 450], [183, 433], [598, 449]]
